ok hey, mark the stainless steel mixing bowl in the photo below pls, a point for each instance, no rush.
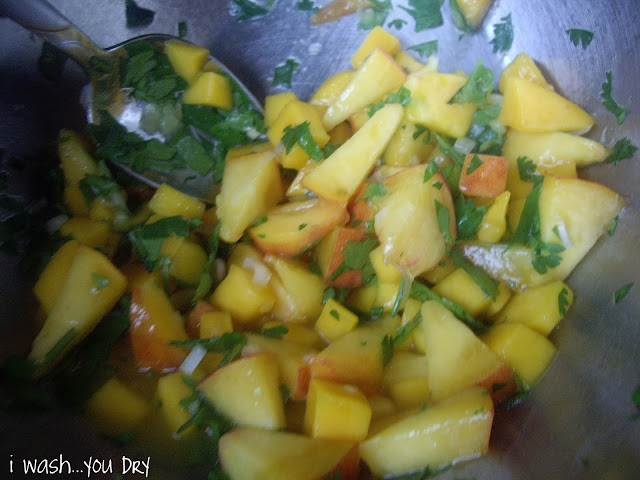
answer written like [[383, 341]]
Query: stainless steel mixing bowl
[[576, 422]]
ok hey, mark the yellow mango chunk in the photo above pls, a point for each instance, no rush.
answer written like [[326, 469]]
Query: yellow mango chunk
[[363, 298], [51, 280], [494, 222], [539, 308], [523, 67], [335, 320], [460, 288], [407, 62], [411, 309], [531, 108], [94, 233], [74, 200], [331, 88], [336, 411], [429, 106], [215, 324], [439, 272], [90, 289], [248, 149], [239, 295], [75, 161], [526, 351], [407, 146], [299, 334], [187, 259], [406, 380], [116, 408], [273, 105], [186, 59], [170, 391], [167, 201], [473, 11], [211, 89], [388, 273], [378, 37], [293, 114], [386, 295], [502, 297]]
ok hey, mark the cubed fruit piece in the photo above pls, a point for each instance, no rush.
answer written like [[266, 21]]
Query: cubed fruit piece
[[378, 37], [459, 287], [294, 113], [531, 108], [296, 190], [293, 361], [456, 358], [483, 175], [408, 146], [243, 298], [330, 252], [526, 351], [363, 298], [580, 211], [300, 334], [523, 67], [51, 280], [381, 406], [494, 222], [335, 320], [331, 88], [407, 222], [439, 272], [502, 297], [153, 324], [170, 392], [74, 200], [168, 202], [473, 11], [248, 149], [539, 308], [247, 391], [187, 259], [356, 357], [250, 454], [251, 185], [293, 227], [115, 408], [385, 272], [91, 288], [75, 161], [455, 429], [378, 75], [273, 105], [338, 177], [550, 149], [298, 290], [215, 324], [407, 62], [210, 89], [386, 295], [93, 233], [186, 59], [430, 107], [411, 309], [406, 380], [336, 411]]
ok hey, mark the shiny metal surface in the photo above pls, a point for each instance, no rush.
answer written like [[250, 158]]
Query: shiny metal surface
[[576, 423]]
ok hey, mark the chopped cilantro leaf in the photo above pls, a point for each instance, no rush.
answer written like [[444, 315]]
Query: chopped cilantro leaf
[[282, 73], [503, 35], [195, 155], [458, 17], [443, 215], [609, 103], [246, 10], [402, 96], [278, 331], [403, 290], [373, 191], [260, 221], [301, 135], [580, 36], [94, 186], [438, 185], [136, 15], [488, 285], [229, 344], [99, 281], [302, 226], [446, 145], [622, 150], [334, 313], [620, 293], [397, 23], [468, 216], [613, 225], [405, 331], [430, 171], [478, 85], [528, 218], [527, 171], [425, 49], [374, 14], [307, 6], [356, 257], [426, 13], [206, 280], [545, 255], [563, 302], [285, 392], [476, 162], [182, 29], [387, 350]]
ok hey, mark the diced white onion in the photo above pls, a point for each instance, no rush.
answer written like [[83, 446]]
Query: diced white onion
[[261, 274], [193, 359], [464, 145], [248, 350], [252, 133], [564, 235], [496, 126], [495, 99], [54, 224]]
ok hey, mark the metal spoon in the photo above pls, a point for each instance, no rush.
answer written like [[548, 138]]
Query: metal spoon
[[104, 93]]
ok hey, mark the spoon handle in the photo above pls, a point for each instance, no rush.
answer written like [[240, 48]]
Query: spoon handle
[[41, 18]]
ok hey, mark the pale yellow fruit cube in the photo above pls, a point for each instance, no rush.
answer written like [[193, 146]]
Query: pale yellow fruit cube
[[171, 390], [388, 273], [494, 223], [75, 161], [210, 89], [502, 297], [187, 259], [330, 89], [523, 67], [74, 200], [168, 202], [215, 324], [52, 278], [273, 105], [460, 288], [335, 320], [336, 411], [378, 37], [93, 233], [186, 59]]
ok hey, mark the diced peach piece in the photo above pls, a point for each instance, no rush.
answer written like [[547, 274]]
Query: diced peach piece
[[335, 320], [194, 317], [487, 179], [330, 256]]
